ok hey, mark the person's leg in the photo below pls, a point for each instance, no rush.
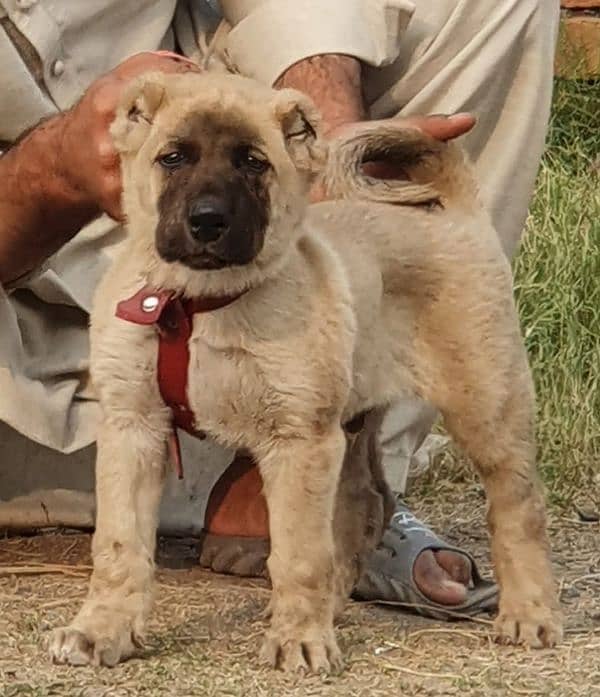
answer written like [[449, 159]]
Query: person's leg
[[47, 454], [403, 431], [494, 59], [236, 538], [41, 487]]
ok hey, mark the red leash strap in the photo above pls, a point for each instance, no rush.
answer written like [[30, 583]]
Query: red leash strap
[[173, 319], [166, 313], [174, 331]]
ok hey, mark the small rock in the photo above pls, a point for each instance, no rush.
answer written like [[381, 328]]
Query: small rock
[[588, 513]]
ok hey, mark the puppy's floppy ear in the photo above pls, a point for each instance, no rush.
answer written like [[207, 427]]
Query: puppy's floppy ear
[[300, 124], [136, 111]]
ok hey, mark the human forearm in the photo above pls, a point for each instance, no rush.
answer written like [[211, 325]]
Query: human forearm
[[269, 36], [66, 171], [333, 82], [40, 210]]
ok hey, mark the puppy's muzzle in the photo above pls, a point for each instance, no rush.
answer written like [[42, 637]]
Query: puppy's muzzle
[[208, 225], [208, 219]]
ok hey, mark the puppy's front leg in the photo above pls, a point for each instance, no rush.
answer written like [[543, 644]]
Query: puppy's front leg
[[300, 482], [130, 471]]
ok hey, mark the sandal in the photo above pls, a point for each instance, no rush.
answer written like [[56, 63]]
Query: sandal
[[388, 574]]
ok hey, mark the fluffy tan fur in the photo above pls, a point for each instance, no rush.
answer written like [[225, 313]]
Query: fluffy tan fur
[[351, 304]]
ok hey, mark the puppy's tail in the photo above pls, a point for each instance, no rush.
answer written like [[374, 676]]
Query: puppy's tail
[[425, 170]]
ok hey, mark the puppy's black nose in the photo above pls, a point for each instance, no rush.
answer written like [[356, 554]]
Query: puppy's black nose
[[208, 219]]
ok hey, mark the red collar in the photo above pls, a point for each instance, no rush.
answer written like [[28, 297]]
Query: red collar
[[172, 316], [148, 306]]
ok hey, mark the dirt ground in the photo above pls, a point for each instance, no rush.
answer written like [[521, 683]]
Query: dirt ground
[[206, 630]]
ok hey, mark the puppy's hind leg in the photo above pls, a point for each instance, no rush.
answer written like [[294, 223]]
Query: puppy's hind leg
[[130, 471], [364, 503], [480, 380]]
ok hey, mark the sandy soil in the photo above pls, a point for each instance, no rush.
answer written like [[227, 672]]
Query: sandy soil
[[205, 633]]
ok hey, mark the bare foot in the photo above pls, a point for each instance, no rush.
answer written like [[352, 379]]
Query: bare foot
[[443, 576]]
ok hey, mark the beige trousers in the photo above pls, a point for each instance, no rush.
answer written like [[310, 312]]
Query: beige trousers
[[491, 57], [494, 59]]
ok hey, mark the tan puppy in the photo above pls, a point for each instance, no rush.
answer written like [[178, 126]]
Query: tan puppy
[[348, 305]]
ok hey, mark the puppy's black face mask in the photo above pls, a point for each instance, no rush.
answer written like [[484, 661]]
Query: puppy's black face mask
[[214, 206]]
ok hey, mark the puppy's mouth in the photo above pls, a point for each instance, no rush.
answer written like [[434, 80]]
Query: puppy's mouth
[[171, 250], [203, 261]]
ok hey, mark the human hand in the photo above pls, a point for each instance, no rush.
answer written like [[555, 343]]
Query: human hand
[[88, 161], [334, 84], [440, 127]]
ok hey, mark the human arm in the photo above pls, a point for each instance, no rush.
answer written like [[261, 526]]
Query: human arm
[[320, 49], [65, 172]]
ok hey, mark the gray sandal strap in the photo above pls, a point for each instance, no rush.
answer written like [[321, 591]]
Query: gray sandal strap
[[388, 574]]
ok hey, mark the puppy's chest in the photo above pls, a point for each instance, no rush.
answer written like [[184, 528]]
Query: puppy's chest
[[246, 389], [215, 378], [231, 397]]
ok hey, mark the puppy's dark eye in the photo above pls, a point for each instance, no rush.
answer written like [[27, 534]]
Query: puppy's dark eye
[[172, 160], [255, 164], [250, 161]]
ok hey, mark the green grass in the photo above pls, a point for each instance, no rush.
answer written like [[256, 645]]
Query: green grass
[[557, 277]]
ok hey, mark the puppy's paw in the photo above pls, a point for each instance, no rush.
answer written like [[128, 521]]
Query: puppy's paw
[[99, 643], [314, 650], [530, 624]]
